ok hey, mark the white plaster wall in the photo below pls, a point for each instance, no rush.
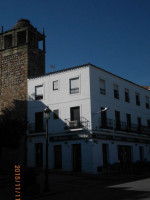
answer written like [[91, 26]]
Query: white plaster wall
[[97, 155], [99, 100], [61, 99], [87, 156], [91, 153], [90, 100]]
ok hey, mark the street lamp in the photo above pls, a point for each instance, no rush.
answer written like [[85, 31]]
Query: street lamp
[[46, 116], [103, 110]]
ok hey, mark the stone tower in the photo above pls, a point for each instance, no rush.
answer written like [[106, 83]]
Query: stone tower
[[22, 55]]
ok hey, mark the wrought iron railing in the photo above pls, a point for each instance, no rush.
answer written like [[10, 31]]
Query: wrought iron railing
[[34, 128], [75, 124], [123, 126], [107, 123]]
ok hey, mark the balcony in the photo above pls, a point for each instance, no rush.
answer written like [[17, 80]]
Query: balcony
[[123, 126], [37, 128], [82, 123], [107, 124]]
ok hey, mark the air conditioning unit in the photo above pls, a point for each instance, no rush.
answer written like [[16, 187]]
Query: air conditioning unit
[[73, 123]]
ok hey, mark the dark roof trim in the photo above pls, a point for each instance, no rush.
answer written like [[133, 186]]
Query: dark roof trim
[[86, 65]]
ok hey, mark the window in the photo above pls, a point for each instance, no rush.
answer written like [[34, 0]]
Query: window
[[139, 124], [137, 99], [38, 92], [56, 114], [128, 117], [126, 93], [102, 87], [116, 91], [75, 117], [21, 37], [141, 152], [55, 85], [103, 118], [75, 113], [147, 102], [8, 41], [38, 122], [32, 38], [148, 123], [74, 85], [117, 118]]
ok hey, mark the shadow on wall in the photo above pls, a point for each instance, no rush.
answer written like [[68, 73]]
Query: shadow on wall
[[37, 123], [13, 124]]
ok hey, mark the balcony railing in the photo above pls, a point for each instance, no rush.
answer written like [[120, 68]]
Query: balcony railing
[[107, 124], [37, 128], [81, 123], [123, 126]]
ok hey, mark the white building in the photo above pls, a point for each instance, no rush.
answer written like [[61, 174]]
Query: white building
[[81, 138]]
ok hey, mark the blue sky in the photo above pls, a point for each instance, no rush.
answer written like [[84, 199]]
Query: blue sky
[[111, 34]]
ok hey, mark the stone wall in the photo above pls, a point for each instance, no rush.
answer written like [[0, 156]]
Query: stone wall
[[13, 78]]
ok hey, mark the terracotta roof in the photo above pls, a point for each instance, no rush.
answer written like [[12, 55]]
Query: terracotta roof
[[147, 87]]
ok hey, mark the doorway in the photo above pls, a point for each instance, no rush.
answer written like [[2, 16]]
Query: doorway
[[76, 151], [39, 122], [39, 155], [117, 117], [75, 113], [103, 118], [58, 157]]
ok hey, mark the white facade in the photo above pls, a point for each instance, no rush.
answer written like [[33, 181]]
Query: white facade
[[80, 136]]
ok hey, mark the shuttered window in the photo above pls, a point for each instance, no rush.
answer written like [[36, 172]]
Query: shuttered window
[[102, 86], [116, 91], [137, 96], [74, 85]]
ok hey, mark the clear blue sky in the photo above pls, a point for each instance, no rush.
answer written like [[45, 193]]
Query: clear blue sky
[[111, 34]]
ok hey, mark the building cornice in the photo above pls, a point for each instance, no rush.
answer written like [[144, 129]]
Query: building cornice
[[88, 65]]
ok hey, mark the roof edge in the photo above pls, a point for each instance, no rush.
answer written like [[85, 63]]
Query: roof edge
[[86, 65]]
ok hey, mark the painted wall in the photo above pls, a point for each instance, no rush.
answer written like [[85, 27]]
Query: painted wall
[[99, 100], [60, 99], [90, 100], [92, 155]]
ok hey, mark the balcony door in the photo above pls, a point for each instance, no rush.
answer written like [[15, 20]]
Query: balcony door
[[128, 117], [139, 124], [103, 118], [39, 121], [141, 152], [117, 117], [75, 114]]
